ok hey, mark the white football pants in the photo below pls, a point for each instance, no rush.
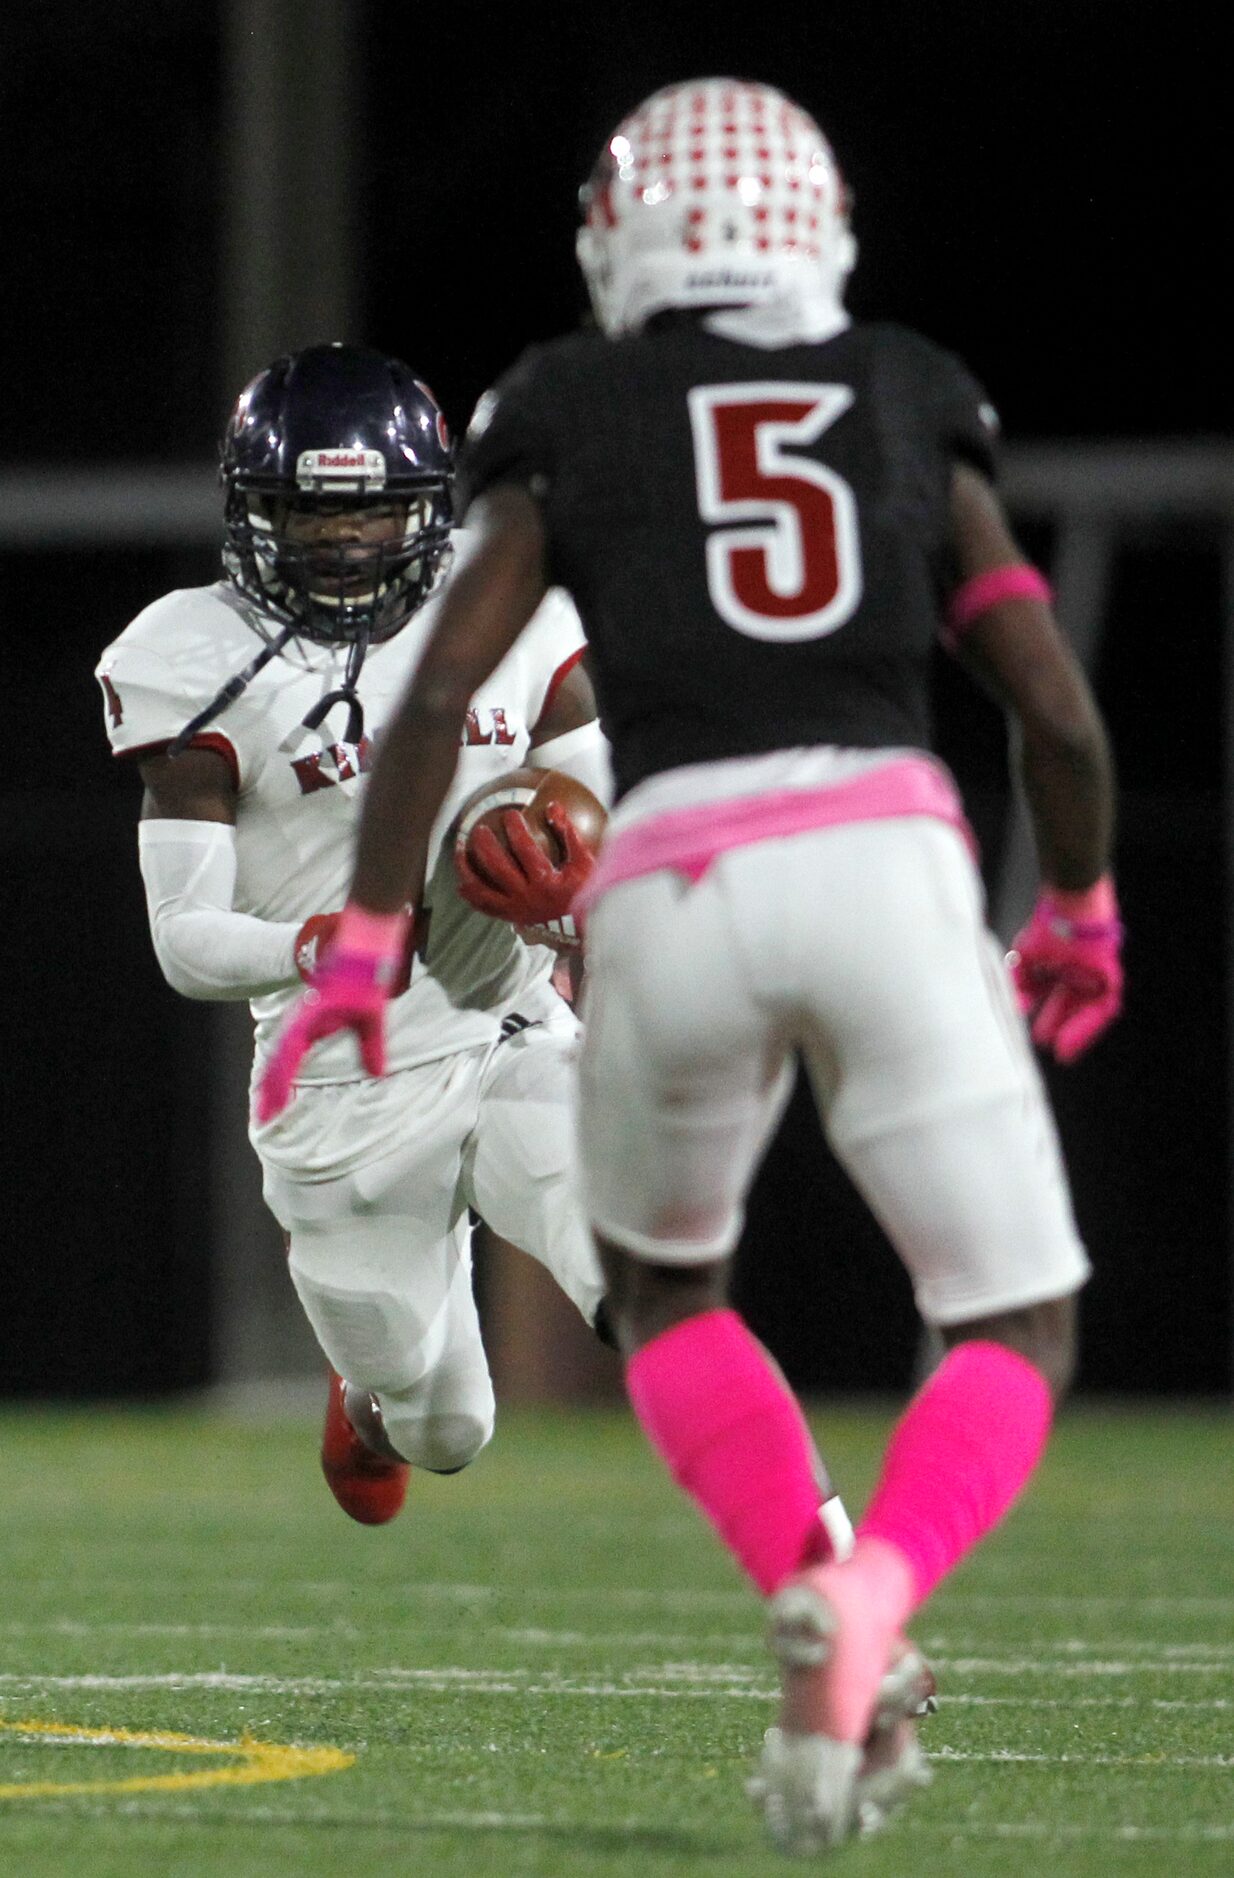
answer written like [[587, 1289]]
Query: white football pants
[[380, 1255], [864, 947]]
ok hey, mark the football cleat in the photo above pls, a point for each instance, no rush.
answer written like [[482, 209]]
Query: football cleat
[[814, 1791], [368, 1486], [892, 1769], [909, 1686], [805, 1788]]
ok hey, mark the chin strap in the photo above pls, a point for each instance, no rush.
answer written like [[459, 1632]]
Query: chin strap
[[344, 694], [231, 691]]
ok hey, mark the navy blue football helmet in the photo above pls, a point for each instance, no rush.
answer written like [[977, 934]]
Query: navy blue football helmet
[[338, 475], [334, 431]]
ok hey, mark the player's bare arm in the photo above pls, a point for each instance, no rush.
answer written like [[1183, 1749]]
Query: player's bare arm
[[572, 707], [1065, 962], [486, 606], [196, 786], [1016, 649]]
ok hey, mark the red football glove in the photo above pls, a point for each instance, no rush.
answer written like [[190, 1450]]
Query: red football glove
[[524, 886], [312, 941], [316, 936], [1066, 968]]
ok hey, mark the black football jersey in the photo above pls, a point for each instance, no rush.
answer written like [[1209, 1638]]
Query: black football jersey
[[757, 540]]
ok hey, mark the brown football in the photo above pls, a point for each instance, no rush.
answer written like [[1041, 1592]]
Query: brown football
[[530, 791]]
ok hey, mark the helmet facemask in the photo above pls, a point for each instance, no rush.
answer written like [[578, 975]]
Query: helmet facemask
[[323, 563]]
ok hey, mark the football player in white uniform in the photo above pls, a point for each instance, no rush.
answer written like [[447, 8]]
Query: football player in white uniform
[[251, 707]]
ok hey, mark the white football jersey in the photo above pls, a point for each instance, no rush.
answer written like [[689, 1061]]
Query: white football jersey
[[299, 793]]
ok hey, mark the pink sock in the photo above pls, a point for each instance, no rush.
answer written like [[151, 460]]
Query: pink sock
[[733, 1436], [965, 1446]]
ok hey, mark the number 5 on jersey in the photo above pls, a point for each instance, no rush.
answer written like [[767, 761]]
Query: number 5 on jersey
[[792, 570]]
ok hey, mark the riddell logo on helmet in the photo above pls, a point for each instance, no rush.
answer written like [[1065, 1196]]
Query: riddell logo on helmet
[[728, 277], [365, 467]]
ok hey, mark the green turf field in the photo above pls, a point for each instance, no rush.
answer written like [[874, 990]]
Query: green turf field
[[547, 1666]]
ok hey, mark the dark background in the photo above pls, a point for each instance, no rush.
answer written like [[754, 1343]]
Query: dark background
[[1043, 189]]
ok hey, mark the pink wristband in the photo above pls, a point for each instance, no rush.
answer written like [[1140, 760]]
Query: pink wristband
[[1089, 906], [376, 935], [978, 595]]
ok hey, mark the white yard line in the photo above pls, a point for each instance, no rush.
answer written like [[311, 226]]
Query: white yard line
[[1045, 1830], [1145, 1762], [1080, 1647], [239, 1814], [422, 1681], [701, 1681], [1067, 1656], [1086, 1601], [623, 1596], [1216, 1662], [1139, 1702], [268, 1633], [738, 1601], [660, 1681]]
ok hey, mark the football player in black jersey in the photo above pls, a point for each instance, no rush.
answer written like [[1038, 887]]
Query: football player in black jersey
[[767, 516]]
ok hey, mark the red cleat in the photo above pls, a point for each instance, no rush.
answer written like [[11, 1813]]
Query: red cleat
[[368, 1486]]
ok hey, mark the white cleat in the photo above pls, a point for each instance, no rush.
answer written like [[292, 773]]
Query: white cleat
[[805, 1788], [908, 1686], [815, 1792]]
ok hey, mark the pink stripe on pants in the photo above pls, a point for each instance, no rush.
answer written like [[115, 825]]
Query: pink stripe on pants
[[687, 841]]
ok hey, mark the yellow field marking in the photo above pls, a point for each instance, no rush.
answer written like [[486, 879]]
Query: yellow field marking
[[258, 1761]]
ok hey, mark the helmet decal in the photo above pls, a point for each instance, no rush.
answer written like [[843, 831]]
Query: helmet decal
[[351, 472], [717, 191]]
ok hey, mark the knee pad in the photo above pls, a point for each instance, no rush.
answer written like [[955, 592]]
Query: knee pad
[[375, 1339]]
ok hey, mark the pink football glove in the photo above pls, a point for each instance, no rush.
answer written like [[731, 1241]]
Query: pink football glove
[[1066, 968], [349, 990], [317, 934], [523, 886]]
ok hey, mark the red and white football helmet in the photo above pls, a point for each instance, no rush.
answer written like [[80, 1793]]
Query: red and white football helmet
[[716, 192]]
